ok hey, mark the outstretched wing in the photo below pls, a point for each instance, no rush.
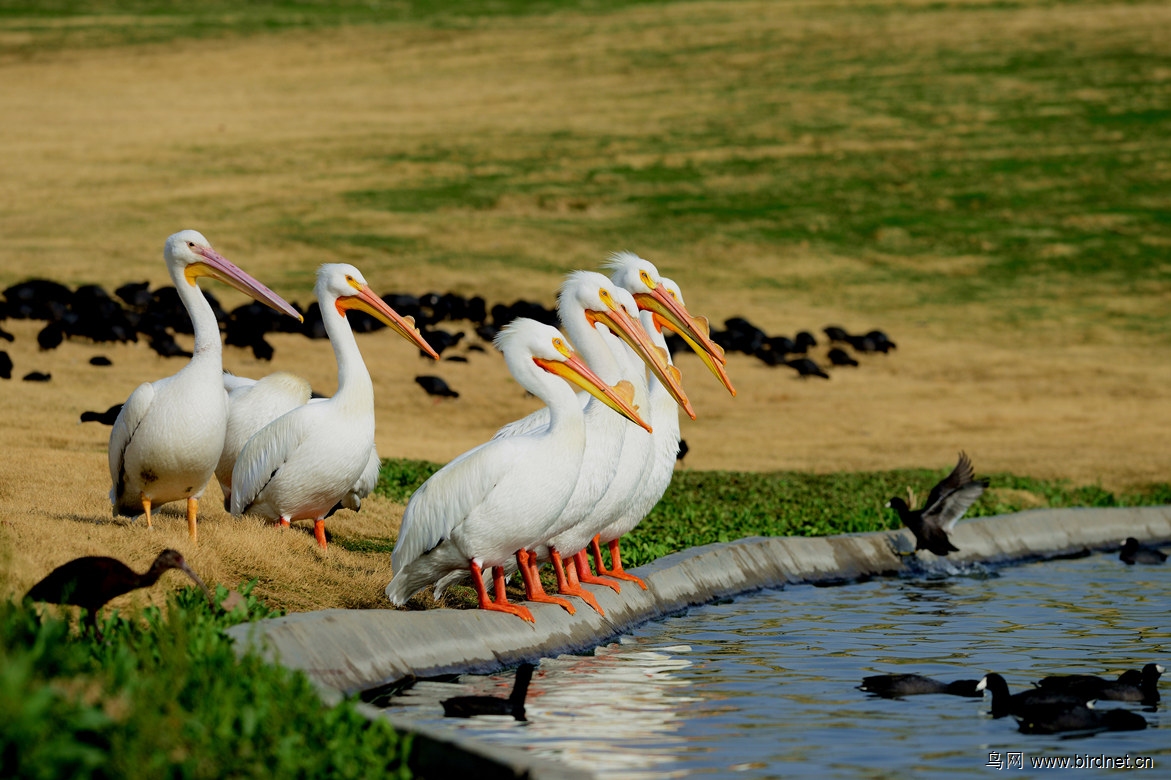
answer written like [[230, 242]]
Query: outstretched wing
[[447, 498], [961, 475], [131, 416], [264, 455], [945, 512]]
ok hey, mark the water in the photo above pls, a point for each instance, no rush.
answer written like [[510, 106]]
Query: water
[[765, 685]]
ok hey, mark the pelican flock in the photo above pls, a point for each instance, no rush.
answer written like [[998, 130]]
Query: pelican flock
[[498, 499], [563, 482], [167, 439]]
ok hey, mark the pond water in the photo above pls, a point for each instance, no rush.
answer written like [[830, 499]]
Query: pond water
[[765, 685]]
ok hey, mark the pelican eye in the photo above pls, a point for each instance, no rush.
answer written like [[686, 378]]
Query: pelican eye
[[672, 293], [191, 244], [646, 279], [562, 347], [604, 294]]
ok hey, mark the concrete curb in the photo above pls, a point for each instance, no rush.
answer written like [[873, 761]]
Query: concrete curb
[[348, 651]]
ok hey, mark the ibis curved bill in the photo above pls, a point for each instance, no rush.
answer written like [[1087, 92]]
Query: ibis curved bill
[[167, 439], [319, 454]]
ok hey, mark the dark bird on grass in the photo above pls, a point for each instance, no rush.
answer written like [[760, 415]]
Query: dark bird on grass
[[92, 581], [1059, 718], [803, 341], [1132, 685], [1005, 703], [135, 294], [5, 366], [51, 336], [440, 340], [36, 376], [435, 386], [1132, 552], [945, 505], [806, 367], [100, 360], [881, 341], [683, 450], [514, 705], [839, 357], [105, 418], [893, 686], [835, 333]]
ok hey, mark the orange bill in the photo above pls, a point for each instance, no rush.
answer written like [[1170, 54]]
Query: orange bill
[[670, 313], [625, 327], [365, 300], [620, 397]]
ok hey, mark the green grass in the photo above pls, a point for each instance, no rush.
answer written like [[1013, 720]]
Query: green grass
[[166, 696], [704, 507]]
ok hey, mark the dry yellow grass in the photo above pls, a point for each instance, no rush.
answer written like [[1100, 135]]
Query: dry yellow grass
[[108, 151]]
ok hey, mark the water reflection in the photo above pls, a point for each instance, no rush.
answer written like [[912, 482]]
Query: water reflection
[[764, 686]]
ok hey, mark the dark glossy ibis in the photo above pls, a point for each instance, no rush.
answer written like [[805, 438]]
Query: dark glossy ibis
[[839, 357], [36, 376], [514, 705], [5, 366], [945, 505], [91, 581]]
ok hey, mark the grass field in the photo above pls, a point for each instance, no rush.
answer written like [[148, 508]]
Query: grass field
[[986, 181]]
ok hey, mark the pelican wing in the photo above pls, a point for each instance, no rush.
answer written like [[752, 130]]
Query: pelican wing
[[263, 456], [132, 414], [253, 404], [365, 484], [447, 498]]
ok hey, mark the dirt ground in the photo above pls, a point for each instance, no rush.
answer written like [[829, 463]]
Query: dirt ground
[[107, 152]]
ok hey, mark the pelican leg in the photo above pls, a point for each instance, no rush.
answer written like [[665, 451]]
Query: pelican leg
[[534, 591], [581, 561], [617, 571], [501, 604], [319, 532], [146, 508], [192, 511], [567, 584]]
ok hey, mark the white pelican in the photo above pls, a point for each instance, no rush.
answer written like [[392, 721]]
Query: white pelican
[[643, 460], [592, 310], [496, 500], [306, 461], [169, 434], [590, 305], [253, 404]]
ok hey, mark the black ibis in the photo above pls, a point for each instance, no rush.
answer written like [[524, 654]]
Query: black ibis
[[91, 581]]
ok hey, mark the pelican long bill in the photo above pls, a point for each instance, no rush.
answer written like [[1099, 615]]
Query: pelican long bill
[[620, 398], [365, 300], [673, 315], [622, 325], [219, 267]]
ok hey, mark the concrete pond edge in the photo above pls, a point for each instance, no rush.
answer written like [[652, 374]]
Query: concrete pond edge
[[346, 652]]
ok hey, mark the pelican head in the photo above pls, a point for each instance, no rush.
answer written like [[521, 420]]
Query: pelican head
[[189, 256], [651, 293], [606, 303], [524, 340], [344, 286]]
